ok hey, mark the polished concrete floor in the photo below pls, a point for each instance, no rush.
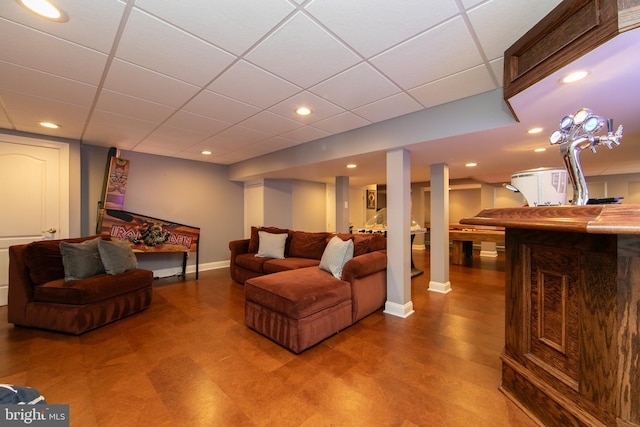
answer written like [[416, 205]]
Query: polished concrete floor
[[189, 360]]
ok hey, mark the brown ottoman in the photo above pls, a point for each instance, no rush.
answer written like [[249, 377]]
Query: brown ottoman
[[297, 308]]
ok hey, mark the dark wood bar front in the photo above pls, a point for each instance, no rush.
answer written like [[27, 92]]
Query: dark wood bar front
[[572, 330]]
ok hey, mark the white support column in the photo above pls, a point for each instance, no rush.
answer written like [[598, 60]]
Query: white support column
[[439, 256], [488, 200], [399, 234], [342, 204]]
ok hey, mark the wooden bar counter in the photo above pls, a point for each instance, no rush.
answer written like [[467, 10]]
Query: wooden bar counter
[[572, 330]]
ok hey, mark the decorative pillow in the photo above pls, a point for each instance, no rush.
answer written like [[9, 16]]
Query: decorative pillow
[[44, 260], [335, 256], [81, 260], [254, 240], [271, 245], [117, 256]]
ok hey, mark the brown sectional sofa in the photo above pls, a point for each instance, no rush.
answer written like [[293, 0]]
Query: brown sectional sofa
[[294, 302], [39, 296]]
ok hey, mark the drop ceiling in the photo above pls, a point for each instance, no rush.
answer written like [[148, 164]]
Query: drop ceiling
[[175, 78]]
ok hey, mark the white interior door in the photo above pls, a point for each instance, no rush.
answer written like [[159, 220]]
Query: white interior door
[[34, 190]]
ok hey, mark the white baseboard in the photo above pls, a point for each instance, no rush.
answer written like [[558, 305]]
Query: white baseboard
[[443, 288], [4, 295], [489, 254], [174, 271], [399, 310]]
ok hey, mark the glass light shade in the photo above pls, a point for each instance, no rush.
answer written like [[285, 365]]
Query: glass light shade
[[379, 221]]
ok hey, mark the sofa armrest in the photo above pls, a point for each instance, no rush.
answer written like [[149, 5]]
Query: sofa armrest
[[20, 291], [238, 247], [364, 265]]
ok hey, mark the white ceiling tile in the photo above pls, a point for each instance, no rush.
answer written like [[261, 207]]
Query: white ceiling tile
[[158, 151], [341, 123], [498, 69], [171, 138], [239, 136], [270, 123], [92, 24], [393, 106], [471, 3], [214, 105], [124, 132], [312, 53], [148, 42], [32, 82], [33, 49], [305, 134], [439, 52], [142, 83], [247, 83], [355, 87], [234, 25], [500, 23], [124, 105], [27, 111], [200, 125], [247, 152], [320, 109], [457, 86], [278, 143], [371, 26]]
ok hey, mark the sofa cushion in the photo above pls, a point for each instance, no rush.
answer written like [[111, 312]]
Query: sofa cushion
[[92, 289], [335, 255], [289, 263], [377, 242], [297, 293], [360, 242], [44, 260], [81, 260], [254, 241], [307, 245], [251, 262], [271, 245], [117, 256]]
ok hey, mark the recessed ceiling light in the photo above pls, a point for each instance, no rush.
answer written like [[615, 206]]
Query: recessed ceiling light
[[352, 166], [535, 130], [471, 164], [49, 125], [540, 150], [44, 9], [303, 111], [575, 76], [206, 152]]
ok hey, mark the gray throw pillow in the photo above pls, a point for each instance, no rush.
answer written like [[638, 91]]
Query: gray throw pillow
[[117, 256], [335, 256], [81, 260], [271, 245]]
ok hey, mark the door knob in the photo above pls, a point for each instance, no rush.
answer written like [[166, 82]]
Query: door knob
[[52, 230]]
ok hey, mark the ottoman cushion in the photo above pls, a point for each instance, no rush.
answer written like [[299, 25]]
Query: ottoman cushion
[[298, 293]]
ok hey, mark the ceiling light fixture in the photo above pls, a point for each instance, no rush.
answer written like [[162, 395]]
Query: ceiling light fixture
[[206, 152], [534, 130], [49, 125], [575, 76], [471, 164], [352, 166], [44, 9], [540, 150], [303, 111]]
